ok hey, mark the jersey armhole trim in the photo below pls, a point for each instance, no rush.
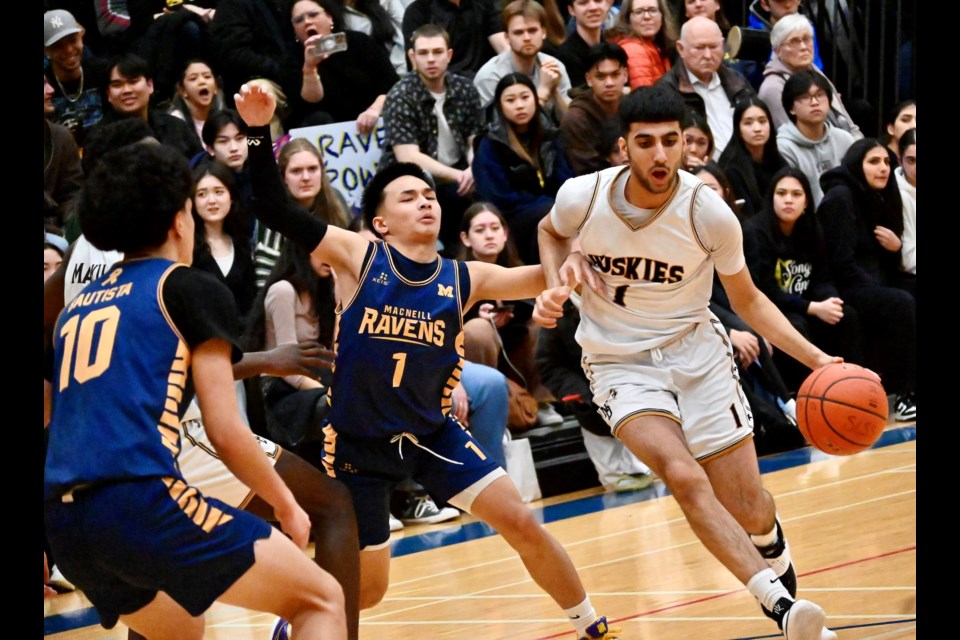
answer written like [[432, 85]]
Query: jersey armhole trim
[[364, 270], [693, 227], [593, 200], [163, 307]]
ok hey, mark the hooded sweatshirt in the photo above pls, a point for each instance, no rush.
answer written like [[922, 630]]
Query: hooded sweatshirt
[[813, 157], [908, 252], [848, 214], [775, 75]]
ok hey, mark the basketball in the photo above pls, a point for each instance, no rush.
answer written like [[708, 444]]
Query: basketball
[[842, 408]]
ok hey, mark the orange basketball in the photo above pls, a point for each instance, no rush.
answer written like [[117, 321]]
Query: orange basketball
[[842, 408]]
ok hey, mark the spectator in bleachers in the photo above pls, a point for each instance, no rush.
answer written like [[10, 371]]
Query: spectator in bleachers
[[52, 253], [809, 142], [588, 18], [498, 335], [707, 86], [76, 79], [751, 157], [862, 218], [381, 20], [519, 163], [225, 140], [198, 95], [792, 42], [221, 246], [764, 14], [347, 85], [697, 139], [475, 33], [906, 175], [525, 25], [62, 174], [430, 119], [128, 94], [590, 130], [786, 254], [301, 166], [254, 39], [646, 31], [902, 117], [709, 9]]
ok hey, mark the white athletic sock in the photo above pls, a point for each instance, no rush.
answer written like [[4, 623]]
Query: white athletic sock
[[581, 616], [766, 539], [767, 588]]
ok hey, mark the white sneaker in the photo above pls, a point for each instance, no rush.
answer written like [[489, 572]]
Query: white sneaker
[[57, 580], [395, 525], [547, 416], [804, 621], [421, 509]]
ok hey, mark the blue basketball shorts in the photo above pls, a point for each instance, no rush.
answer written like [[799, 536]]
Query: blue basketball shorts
[[448, 462], [123, 542]]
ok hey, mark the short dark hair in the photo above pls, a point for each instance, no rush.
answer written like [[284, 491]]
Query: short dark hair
[[908, 138], [658, 103], [215, 123], [373, 192], [799, 84], [130, 65], [430, 30], [112, 135], [132, 197], [604, 50]]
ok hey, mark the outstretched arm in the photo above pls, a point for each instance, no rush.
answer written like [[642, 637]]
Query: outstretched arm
[[764, 317]]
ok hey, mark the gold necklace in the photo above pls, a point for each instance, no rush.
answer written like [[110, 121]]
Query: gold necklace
[[63, 91]]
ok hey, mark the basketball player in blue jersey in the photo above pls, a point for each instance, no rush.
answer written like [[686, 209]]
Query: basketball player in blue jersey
[[145, 547], [399, 357], [660, 365]]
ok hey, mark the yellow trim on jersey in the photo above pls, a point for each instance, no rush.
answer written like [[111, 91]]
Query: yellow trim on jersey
[[657, 213], [412, 283], [329, 450]]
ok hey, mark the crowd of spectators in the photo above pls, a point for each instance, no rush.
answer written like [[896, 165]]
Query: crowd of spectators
[[500, 104]]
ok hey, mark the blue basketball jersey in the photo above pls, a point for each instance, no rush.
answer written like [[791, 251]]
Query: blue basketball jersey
[[399, 349], [120, 371]]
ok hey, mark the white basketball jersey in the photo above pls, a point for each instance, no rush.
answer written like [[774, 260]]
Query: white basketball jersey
[[657, 263], [87, 263]]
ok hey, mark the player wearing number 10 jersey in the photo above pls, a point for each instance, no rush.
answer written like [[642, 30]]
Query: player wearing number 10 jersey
[[144, 546]]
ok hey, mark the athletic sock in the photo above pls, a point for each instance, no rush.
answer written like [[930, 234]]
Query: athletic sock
[[767, 588], [774, 549], [581, 616]]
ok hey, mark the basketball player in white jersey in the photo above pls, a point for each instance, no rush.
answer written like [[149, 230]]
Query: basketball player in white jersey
[[660, 365]]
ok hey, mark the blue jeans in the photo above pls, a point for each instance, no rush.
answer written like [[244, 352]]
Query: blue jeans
[[487, 390]]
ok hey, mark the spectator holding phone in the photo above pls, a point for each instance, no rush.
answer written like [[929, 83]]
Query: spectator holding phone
[[346, 74]]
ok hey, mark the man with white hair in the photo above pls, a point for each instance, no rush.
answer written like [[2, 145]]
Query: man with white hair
[[707, 86], [792, 40]]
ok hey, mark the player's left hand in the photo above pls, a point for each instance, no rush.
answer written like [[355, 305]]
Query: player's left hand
[[576, 269], [549, 306], [461, 405]]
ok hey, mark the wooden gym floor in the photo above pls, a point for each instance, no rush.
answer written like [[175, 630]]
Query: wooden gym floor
[[851, 523]]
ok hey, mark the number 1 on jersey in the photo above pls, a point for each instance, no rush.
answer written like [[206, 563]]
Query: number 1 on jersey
[[401, 359]]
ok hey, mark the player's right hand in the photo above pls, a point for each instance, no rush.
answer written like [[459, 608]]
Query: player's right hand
[[255, 105], [301, 359], [294, 522], [549, 306]]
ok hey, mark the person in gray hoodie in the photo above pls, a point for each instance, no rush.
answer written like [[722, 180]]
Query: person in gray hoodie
[[808, 142], [792, 40]]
